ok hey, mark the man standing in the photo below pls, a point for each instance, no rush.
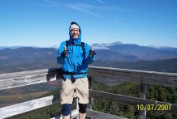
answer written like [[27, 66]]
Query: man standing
[[75, 56]]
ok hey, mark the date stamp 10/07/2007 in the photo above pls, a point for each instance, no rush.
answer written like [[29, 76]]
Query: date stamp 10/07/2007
[[151, 107]]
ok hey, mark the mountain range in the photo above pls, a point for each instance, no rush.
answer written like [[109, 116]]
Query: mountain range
[[131, 52], [114, 54]]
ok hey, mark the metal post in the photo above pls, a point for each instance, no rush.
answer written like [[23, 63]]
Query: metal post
[[91, 101], [143, 89], [76, 106]]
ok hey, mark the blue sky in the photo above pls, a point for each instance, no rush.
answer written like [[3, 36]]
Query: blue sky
[[45, 23]]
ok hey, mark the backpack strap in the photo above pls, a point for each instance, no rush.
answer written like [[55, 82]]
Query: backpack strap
[[67, 43], [82, 45], [83, 48]]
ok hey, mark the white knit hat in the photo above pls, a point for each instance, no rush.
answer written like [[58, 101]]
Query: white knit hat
[[74, 26]]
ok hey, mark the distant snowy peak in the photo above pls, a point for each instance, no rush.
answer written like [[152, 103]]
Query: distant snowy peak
[[108, 45], [161, 47], [100, 47], [115, 43], [105, 45], [10, 47]]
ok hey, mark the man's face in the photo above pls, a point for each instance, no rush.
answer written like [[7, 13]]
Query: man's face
[[75, 33]]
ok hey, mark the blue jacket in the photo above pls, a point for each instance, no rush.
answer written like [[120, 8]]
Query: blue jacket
[[75, 61]]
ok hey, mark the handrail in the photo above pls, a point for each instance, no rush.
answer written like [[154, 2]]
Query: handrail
[[19, 79], [128, 100], [146, 77]]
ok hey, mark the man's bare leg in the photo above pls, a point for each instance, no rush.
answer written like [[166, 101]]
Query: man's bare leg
[[66, 117], [82, 115]]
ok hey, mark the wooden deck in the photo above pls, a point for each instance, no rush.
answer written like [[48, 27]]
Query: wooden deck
[[21, 79]]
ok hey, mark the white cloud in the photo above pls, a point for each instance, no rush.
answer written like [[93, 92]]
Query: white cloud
[[89, 9], [100, 1], [86, 6], [53, 3], [119, 22], [83, 8]]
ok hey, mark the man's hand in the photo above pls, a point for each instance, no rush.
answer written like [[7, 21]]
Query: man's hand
[[65, 52], [92, 51]]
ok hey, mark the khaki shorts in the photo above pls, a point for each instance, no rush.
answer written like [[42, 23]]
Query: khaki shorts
[[80, 89]]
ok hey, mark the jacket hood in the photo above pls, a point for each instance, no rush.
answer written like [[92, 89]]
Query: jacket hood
[[75, 41]]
